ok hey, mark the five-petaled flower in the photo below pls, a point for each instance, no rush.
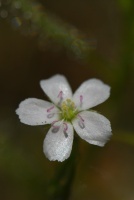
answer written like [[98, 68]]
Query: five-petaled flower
[[66, 112]]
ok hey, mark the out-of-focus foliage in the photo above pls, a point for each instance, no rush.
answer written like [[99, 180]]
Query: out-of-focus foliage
[[32, 18], [126, 5]]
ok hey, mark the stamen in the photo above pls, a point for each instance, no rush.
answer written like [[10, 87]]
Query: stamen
[[55, 129], [54, 122], [49, 109], [66, 126], [81, 124], [81, 100], [60, 95], [65, 129], [80, 118], [66, 135]]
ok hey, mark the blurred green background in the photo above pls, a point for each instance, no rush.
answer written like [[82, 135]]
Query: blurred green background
[[82, 40]]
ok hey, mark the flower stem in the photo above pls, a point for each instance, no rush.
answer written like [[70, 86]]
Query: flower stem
[[60, 187]]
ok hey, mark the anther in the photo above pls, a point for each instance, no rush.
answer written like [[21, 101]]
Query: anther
[[50, 115], [65, 130], [66, 135], [60, 95], [55, 129], [81, 124]]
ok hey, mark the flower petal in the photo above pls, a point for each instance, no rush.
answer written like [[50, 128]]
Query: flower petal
[[57, 88], [91, 93], [34, 111], [58, 142], [92, 127]]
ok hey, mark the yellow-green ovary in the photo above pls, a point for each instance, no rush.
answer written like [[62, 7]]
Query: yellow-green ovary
[[68, 109]]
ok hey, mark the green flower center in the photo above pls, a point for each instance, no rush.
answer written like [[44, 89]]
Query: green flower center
[[68, 109]]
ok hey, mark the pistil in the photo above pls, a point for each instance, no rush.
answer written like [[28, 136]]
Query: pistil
[[68, 109]]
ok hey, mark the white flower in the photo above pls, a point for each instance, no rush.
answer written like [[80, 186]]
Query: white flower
[[66, 112]]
